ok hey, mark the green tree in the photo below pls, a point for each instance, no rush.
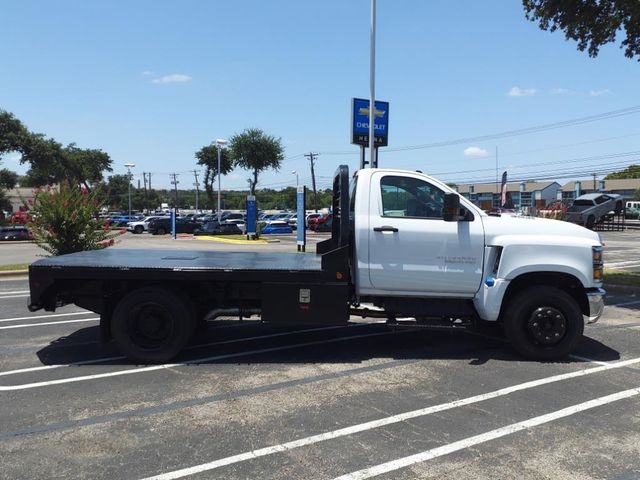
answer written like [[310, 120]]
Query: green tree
[[255, 151], [208, 157], [49, 161], [632, 171], [65, 221], [591, 23]]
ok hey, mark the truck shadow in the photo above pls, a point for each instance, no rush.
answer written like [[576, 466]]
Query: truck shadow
[[254, 343]]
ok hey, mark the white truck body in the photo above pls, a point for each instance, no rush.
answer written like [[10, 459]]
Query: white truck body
[[428, 257]]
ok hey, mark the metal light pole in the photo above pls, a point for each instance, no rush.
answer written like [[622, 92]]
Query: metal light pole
[[129, 166], [372, 87], [296, 174], [220, 142]]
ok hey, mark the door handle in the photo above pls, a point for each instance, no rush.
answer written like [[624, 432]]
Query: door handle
[[385, 228]]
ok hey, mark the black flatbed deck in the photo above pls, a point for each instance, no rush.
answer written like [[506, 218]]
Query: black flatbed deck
[[172, 260], [116, 264]]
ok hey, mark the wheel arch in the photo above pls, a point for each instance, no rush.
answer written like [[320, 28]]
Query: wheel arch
[[563, 281]]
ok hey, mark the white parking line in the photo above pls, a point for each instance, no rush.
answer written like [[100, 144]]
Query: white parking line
[[242, 457], [486, 437], [14, 292], [46, 324], [35, 317], [26, 386], [14, 296]]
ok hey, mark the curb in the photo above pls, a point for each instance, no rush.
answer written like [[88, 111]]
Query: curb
[[230, 240], [627, 289], [14, 273]]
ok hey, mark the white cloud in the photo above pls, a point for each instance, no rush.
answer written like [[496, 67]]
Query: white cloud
[[563, 91], [475, 152], [147, 73], [521, 92], [597, 93], [173, 78]]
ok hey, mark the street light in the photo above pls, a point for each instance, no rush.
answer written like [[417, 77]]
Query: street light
[[129, 166], [296, 174], [220, 142]]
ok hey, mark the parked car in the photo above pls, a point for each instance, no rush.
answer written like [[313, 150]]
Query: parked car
[[162, 225], [632, 209], [215, 228], [232, 216], [16, 232], [311, 216], [314, 222], [123, 220], [325, 226], [592, 208], [140, 226], [242, 225], [277, 226]]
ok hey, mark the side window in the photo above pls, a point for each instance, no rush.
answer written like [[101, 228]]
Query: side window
[[601, 199], [410, 197]]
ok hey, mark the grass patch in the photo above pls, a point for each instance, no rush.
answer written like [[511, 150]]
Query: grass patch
[[620, 277], [14, 266]]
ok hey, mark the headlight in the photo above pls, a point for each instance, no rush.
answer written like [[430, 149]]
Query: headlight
[[598, 264]]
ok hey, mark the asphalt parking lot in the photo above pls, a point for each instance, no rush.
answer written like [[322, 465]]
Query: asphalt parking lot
[[249, 401], [367, 400]]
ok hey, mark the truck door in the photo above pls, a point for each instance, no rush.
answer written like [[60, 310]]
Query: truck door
[[412, 250]]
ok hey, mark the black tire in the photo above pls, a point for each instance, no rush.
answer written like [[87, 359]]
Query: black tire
[[138, 229], [160, 231], [152, 325], [590, 223], [543, 323]]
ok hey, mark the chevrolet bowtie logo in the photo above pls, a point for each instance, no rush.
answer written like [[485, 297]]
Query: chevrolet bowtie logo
[[376, 112]]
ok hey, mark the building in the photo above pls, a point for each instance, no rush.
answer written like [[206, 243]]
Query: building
[[625, 187], [19, 197], [523, 194]]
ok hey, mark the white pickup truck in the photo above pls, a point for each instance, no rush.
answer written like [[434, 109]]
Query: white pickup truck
[[401, 241]]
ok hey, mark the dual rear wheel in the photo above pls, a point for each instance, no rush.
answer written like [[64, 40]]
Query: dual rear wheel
[[152, 325]]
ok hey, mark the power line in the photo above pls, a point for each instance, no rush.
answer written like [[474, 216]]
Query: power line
[[512, 133]]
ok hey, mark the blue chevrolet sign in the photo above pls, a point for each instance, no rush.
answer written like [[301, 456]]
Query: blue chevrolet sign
[[360, 123]]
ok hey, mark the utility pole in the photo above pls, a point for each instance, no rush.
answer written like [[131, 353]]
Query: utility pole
[[312, 157], [146, 203], [195, 174], [175, 183], [595, 175]]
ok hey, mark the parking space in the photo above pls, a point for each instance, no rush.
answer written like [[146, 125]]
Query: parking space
[[621, 250], [366, 400]]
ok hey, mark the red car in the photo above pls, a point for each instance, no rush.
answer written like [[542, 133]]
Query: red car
[[315, 222]]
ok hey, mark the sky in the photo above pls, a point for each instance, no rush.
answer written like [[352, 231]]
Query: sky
[[152, 81]]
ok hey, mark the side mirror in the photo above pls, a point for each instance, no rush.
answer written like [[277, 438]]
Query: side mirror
[[451, 210]]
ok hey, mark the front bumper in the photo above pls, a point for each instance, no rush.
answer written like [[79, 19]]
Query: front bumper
[[596, 304]]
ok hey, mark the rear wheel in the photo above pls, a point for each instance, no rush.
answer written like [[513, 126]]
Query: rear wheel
[[543, 323], [161, 231], [152, 325]]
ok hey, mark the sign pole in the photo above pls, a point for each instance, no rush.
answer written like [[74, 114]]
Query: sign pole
[[301, 230], [372, 85]]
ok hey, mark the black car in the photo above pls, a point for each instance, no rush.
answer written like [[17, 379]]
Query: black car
[[160, 226], [15, 233], [215, 228]]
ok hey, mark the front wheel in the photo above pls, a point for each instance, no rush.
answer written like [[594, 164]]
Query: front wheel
[[138, 229], [543, 323], [152, 325]]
